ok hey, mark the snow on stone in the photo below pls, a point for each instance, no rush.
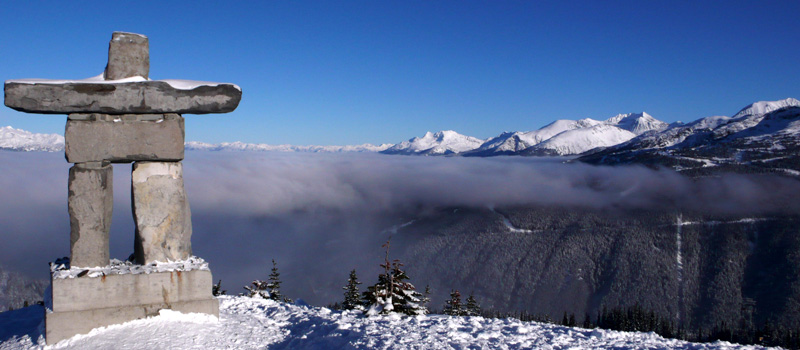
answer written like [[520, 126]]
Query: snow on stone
[[117, 267], [250, 323], [21, 140], [442, 142], [98, 79], [193, 84]]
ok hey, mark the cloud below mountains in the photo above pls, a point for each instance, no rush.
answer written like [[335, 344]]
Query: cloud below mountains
[[312, 211], [276, 183]]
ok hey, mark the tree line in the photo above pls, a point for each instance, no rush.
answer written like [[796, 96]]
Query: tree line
[[394, 293]]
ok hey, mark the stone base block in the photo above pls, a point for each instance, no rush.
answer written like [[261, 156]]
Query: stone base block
[[65, 325], [80, 304]]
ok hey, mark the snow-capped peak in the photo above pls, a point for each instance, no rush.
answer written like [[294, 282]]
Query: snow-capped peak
[[637, 123], [764, 107], [21, 140], [442, 142]]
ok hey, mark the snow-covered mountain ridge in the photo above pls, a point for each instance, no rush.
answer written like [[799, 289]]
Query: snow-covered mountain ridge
[[250, 323], [440, 143], [762, 137], [560, 138], [21, 140], [241, 146]]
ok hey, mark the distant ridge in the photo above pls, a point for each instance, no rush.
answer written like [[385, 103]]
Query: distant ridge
[[610, 141], [762, 137], [241, 146], [21, 140]]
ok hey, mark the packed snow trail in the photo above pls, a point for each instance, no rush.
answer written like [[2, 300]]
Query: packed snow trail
[[248, 323], [507, 223]]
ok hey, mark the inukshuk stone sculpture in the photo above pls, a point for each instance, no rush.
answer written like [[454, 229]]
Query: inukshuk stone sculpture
[[122, 117]]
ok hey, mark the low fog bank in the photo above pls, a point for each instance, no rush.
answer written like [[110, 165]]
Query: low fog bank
[[320, 215]]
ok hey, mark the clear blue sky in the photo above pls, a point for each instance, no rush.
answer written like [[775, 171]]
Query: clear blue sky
[[348, 72]]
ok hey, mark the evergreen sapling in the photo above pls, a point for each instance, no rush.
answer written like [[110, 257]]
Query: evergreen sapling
[[454, 307], [352, 297], [472, 308]]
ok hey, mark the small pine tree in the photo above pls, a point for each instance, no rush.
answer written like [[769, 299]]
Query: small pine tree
[[216, 290], [274, 285], [454, 307], [405, 297], [393, 292], [378, 298], [426, 297], [352, 297], [472, 308]]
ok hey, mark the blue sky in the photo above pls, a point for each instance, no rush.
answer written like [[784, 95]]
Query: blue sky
[[351, 72]]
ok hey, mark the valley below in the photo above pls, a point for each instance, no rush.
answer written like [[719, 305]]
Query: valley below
[[523, 235]]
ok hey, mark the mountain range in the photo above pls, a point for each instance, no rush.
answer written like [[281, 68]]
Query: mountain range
[[21, 140], [763, 135]]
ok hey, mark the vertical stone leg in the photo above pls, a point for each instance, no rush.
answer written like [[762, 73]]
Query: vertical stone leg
[[161, 212], [90, 203]]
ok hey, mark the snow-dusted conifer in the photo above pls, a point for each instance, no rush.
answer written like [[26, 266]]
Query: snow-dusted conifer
[[352, 297], [393, 292], [405, 296], [454, 307], [274, 285], [472, 308]]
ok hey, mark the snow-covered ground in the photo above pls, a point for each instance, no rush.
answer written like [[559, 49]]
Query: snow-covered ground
[[247, 323]]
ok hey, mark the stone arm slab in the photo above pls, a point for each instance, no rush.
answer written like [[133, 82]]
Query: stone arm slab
[[109, 97]]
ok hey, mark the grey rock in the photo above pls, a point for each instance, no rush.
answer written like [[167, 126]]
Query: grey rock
[[161, 212], [124, 138], [90, 203], [143, 97], [128, 56], [83, 303]]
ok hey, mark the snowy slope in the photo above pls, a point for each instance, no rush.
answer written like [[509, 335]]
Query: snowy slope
[[247, 323], [21, 140], [752, 115], [581, 140], [241, 146], [442, 142], [513, 142]]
